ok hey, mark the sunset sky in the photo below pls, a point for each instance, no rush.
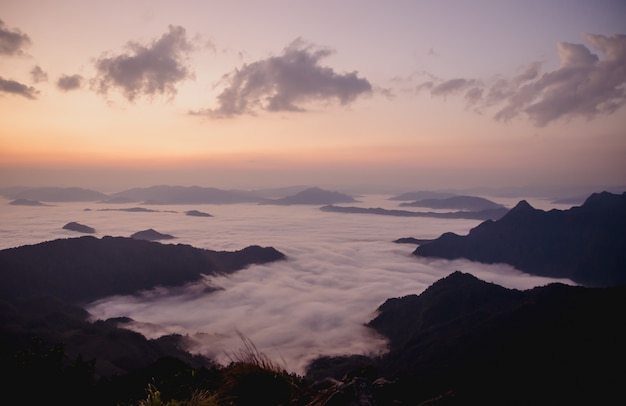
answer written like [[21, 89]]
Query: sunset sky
[[247, 94]]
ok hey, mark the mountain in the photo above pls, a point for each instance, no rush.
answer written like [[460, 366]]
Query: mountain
[[197, 213], [467, 341], [151, 235], [26, 202], [164, 194], [45, 333], [84, 269], [80, 228], [422, 194], [54, 194], [470, 203], [312, 195], [584, 243], [493, 214]]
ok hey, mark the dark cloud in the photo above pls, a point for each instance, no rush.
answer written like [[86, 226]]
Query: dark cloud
[[584, 85], [11, 86], [70, 82], [286, 83], [146, 70], [12, 42], [38, 75]]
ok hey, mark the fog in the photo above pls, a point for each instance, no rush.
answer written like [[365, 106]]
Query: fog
[[339, 269]]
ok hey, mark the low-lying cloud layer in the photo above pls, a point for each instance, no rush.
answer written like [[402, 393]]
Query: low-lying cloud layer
[[147, 70], [584, 85], [286, 83], [340, 268]]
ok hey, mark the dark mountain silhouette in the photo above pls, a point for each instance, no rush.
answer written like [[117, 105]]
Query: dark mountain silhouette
[[44, 286], [411, 240], [138, 210], [585, 243], [493, 214], [422, 194], [469, 203], [466, 341], [55, 194], [197, 213], [26, 202], [81, 228], [151, 235], [164, 194], [312, 195], [80, 270]]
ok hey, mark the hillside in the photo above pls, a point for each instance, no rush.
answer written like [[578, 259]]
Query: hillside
[[585, 243], [470, 342]]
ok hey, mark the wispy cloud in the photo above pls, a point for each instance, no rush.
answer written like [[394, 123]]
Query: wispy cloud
[[14, 87], [584, 85], [69, 82], [12, 42], [147, 70], [286, 83]]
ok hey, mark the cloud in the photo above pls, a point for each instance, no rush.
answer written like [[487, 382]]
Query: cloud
[[70, 82], [339, 269], [12, 42], [146, 70], [286, 83], [11, 86], [584, 85], [451, 86], [38, 75]]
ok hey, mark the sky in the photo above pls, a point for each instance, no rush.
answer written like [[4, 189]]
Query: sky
[[246, 94]]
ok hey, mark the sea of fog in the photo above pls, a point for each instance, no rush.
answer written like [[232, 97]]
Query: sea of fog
[[340, 267]]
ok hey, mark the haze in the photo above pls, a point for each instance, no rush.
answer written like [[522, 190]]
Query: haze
[[246, 94]]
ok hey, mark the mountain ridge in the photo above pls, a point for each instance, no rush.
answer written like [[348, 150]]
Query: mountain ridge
[[584, 243]]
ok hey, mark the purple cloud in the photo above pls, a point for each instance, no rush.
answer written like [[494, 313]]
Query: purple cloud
[[70, 82], [146, 70], [12, 42], [13, 87], [584, 85], [286, 83]]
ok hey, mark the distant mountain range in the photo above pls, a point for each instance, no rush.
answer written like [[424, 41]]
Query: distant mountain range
[[585, 243], [422, 194], [53, 194], [493, 214], [165, 194], [469, 203], [314, 196]]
